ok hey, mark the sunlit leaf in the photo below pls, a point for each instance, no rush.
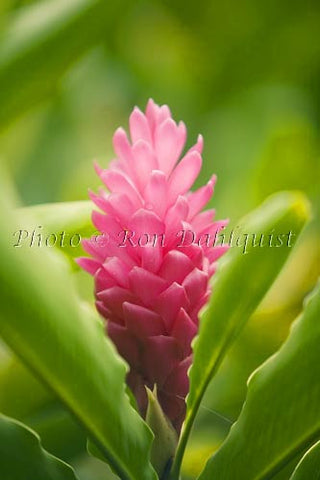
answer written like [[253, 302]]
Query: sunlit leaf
[[309, 466], [281, 415]]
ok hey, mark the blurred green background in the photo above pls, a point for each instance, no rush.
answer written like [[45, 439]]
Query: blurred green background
[[244, 74]]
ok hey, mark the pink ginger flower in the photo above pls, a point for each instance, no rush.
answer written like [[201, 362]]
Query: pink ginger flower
[[150, 292]]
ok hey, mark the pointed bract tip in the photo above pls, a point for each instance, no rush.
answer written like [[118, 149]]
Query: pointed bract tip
[[97, 168]]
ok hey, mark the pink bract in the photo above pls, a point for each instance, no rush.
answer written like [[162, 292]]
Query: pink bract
[[149, 283]]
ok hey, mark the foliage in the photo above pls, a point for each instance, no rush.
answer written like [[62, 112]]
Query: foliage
[[33, 461], [282, 402], [246, 75]]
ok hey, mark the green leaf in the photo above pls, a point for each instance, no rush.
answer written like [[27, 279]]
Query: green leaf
[[64, 343], [21, 394], [22, 456], [60, 433], [40, 44], [281, 415], [60, 224], [23, 397], [309, 467], [241, 283]]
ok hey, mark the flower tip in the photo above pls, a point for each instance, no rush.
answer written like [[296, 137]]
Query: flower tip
[[120, 132], [183, 131], [136, 112], [165, 110], [79, 261], [94, 198], [199, 144], [88, 264], [97, 168], [91, 193], [151, 106], [213, 180], [150, 102]]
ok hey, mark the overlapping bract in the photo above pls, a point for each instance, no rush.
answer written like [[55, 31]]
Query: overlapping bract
[[150, 289]]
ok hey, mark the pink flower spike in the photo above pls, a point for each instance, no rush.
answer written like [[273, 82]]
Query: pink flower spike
[[150, 270]]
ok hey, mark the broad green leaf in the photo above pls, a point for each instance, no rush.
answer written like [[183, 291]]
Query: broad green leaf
[[64, 343], [25, 398], [60, 433], [243, 280], [55, 224], [197, 454], [309, 467], [21, 393], [281, 415], [41, 42], [22, 456]]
